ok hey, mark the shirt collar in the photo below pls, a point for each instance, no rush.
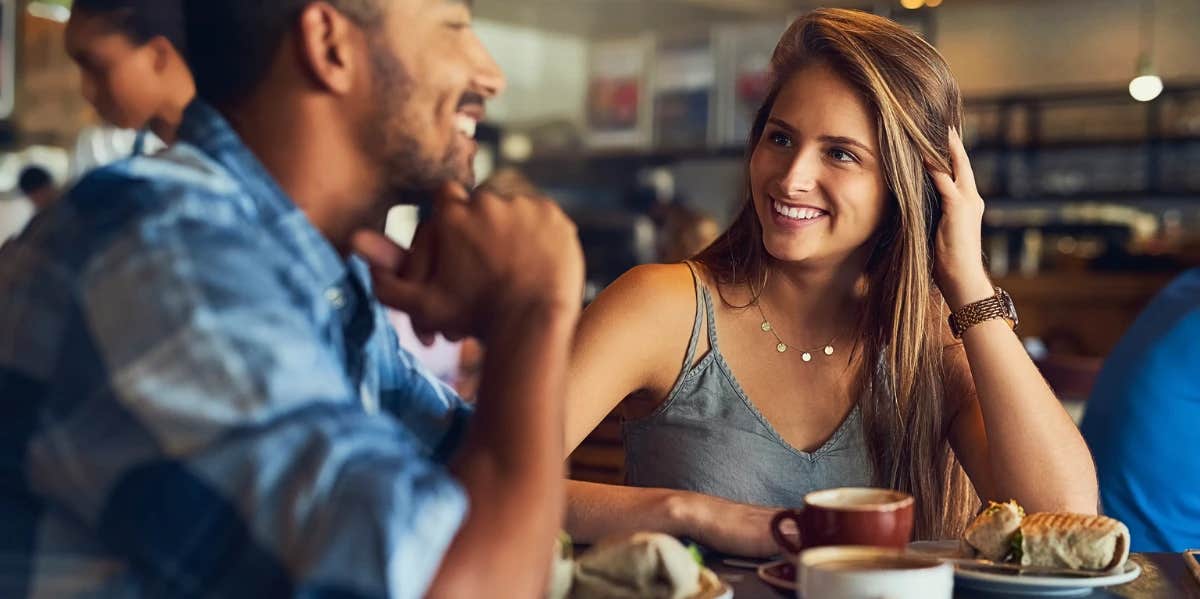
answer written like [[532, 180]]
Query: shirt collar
[[208, 130]]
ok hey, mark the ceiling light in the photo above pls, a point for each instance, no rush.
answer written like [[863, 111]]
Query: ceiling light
[[1146, 84], [1145, 88]]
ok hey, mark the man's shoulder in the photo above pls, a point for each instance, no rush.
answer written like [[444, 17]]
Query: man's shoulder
[[1185, 289], [1156, 359], [170, 182], [148, 200], [1174, 312]]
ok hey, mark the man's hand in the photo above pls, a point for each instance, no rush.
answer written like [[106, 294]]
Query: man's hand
[[478, 262]]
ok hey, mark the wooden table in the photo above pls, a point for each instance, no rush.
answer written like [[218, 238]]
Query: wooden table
[[1164, 575]]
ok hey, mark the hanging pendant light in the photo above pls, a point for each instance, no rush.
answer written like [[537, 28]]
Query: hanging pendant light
[[1146, 84]]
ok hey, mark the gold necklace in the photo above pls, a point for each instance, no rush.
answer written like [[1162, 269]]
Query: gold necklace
[[781, 347]]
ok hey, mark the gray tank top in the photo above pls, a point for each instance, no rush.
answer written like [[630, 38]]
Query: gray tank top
[[709, 438]]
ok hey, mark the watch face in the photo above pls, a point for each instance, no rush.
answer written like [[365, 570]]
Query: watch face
[[1010, 307]]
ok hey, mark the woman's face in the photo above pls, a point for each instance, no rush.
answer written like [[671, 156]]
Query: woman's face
[[815, 175], [120, 79]]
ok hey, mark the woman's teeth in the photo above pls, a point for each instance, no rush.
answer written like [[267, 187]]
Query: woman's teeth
[[465, 125], [798, 213]]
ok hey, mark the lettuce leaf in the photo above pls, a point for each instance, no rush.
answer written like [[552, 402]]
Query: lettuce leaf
[[1016, 548]]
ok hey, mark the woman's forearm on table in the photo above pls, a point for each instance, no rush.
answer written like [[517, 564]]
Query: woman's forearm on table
[[596, 510]]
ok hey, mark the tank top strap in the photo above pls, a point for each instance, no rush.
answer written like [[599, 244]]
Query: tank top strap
[[702, 305]]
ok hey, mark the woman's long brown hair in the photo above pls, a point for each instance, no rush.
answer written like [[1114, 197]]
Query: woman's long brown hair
[[915, 101]]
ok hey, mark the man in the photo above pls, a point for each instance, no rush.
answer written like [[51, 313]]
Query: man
[[1142, 418], [37, 185], [202, 397], [36, 188]]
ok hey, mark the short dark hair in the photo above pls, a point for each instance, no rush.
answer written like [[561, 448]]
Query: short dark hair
[[33, 179], [231, 43], [141, 20]]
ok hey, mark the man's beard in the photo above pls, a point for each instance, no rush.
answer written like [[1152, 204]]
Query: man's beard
[[409, 175]]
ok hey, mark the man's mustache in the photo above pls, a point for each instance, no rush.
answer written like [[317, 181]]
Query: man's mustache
[[470, 99]]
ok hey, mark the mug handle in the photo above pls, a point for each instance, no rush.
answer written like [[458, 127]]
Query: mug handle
[[781, 539]]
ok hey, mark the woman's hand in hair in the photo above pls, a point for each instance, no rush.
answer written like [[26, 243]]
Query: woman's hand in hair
[[958, 266]]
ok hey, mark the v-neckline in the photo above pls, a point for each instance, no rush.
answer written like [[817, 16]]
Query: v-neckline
[[714, 350]]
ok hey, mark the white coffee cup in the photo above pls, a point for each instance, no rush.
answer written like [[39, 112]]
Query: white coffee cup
[[853, 572]]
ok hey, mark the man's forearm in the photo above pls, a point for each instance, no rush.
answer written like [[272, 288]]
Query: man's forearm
[[511, 461]]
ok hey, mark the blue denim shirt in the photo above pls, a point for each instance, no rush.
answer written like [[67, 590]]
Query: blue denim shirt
[[201, 398]]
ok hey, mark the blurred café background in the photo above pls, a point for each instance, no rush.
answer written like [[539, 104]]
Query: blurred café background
[[1083, 125]]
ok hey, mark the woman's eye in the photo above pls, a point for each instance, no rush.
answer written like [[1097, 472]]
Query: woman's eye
[[841, 155], [781, 140]]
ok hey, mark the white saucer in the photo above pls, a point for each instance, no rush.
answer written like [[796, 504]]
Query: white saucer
[[771, 574]]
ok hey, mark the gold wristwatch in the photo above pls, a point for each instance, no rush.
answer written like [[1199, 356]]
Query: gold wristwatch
[[998, 306]]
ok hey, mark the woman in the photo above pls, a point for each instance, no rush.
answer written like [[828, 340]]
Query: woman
[[835, 364], [129, 54]]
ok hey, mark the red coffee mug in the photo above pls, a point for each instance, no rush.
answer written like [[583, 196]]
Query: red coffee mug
[[848, 516]]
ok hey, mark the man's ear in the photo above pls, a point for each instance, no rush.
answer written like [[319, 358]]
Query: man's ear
[[325, 40]]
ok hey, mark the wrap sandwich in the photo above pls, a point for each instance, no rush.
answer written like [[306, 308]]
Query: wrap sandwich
[[1004, 533], [1074, 541], [991, 534]]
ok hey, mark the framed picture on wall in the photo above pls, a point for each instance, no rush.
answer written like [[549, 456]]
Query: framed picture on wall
[[619, 99], [8, 56], [684, 78], [744, 52]]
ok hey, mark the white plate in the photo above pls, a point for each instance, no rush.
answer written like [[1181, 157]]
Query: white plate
[[1013, 584]]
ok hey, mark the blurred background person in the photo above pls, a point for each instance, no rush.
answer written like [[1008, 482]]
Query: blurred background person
[[1142, 420], [37, 191], [684, 232], [38, 187], [133, 73]]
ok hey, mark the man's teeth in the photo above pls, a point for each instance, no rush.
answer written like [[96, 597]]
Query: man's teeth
[[798, 213], [465, 125]]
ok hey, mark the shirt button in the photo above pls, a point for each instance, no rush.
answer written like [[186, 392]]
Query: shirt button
[[336, 297]]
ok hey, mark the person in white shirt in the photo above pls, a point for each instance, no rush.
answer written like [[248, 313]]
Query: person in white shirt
[[15, 212], [103, 144]]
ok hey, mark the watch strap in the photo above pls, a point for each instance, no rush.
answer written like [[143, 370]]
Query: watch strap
[[992, 308]]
